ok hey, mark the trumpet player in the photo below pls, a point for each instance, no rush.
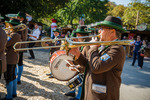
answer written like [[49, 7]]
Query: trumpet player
[[12, 58], [22, 17], [103, 68]]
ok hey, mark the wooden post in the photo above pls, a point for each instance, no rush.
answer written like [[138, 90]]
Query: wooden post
[[137, 19]]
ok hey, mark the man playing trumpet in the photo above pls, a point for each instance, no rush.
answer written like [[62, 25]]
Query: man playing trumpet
[[103, 68], [12, 58]]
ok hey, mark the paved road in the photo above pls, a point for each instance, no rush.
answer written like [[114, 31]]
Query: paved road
[[135, 83]]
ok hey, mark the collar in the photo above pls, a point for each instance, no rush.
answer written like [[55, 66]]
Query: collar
[[105, 47]]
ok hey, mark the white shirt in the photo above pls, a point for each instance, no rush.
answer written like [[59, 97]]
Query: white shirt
[[36, 33]]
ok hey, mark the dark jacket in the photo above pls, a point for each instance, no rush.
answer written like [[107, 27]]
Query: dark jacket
[[24, 37], [12, 56], [3, 42], [56, 43], [103, 71]]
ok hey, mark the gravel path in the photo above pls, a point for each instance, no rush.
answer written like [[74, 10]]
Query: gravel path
[[35, 84]]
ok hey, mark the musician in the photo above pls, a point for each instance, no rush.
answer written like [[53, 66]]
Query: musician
[[3, 42], [22, 17], [34, 37], [80, 32], [2, 25], [56, 36], [103, 69], [12, 58]]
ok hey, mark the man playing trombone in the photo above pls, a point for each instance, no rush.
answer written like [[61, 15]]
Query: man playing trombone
[[103, 68]]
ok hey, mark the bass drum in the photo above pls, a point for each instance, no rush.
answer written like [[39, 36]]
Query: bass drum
[[58, 66]]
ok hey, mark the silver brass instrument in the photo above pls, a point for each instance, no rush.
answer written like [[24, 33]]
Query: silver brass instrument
[[20, 27], [71, 44], [60, 58]]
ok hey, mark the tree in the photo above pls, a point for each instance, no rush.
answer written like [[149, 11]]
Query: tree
[[117, 11], [94, 10], [36, 8], [67, 14], [130, 13], [110, 6]]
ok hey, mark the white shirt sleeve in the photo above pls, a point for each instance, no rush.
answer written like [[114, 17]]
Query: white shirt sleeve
[[36, 33]]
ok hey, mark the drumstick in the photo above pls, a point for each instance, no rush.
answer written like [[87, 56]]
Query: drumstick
[[72, 65]]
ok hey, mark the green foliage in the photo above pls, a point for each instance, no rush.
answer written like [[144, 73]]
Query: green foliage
[[94, 10], [130, 13], [36, 8], [68, 11], [110, 6], [117, 11], [66, 15]]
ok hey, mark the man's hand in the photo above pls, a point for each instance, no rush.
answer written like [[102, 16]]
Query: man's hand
[[71, 66], [94, 40], [75, 52], [30, 35]]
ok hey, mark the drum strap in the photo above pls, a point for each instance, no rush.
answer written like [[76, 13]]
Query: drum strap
[[83, 85]]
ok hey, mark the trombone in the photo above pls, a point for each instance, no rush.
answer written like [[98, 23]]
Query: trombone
[[71, 44], [47, 39]]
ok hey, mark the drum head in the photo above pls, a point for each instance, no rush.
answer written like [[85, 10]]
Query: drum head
[[60, 70]]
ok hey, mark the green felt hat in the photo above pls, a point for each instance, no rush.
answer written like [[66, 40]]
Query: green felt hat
[[82, 29], [56, 30], [112, 22], [1, 17], [92, 29], [13, 21], [73, 34], [21, 14]]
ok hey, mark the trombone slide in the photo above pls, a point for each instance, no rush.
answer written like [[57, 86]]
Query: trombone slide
[[71, 44]]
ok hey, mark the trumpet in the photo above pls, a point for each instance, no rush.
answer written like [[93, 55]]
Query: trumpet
[[71, 44], [20, 27]]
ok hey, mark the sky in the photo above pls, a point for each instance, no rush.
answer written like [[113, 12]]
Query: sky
[[123, 2]]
